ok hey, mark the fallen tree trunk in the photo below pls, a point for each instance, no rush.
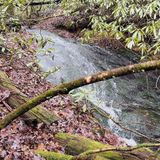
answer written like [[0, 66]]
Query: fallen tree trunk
[[16, 98], [82, 148], [66, 87], [59, 156], [75, 145]]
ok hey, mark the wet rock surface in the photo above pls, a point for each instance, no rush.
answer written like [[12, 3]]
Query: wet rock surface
[[133, 98]]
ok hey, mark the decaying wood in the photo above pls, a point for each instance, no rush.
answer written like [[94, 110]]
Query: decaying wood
[[66, 87], [82, 148], [16, 98]]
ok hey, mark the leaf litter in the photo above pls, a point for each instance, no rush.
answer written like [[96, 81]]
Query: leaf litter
[[19, 140]]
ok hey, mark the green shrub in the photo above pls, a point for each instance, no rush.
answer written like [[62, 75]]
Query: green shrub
[[136, 23]]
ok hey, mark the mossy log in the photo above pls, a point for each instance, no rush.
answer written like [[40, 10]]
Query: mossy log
[[16, 98], [59, 156], [53, 155], [76, 145], [67, 87]]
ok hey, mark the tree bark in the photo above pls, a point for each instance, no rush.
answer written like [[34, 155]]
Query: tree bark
[[16, 98], [66, 87]]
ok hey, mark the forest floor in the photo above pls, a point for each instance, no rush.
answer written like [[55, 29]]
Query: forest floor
[[19, 140]]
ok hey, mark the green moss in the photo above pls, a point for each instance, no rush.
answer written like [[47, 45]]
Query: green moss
[[90, 157], [53, 155], [84, 143], [76, 144], [79, 147], [100, 158], [58, 156]]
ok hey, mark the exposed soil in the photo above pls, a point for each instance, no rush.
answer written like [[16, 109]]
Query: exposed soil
[[19, 140]]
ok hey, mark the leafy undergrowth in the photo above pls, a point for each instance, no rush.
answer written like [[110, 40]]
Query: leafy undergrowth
[[56, 24], [19, 140]]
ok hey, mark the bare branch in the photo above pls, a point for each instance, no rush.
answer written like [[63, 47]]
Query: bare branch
[[66, 87]]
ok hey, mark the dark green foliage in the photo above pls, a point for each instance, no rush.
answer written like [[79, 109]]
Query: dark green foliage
[[135, 23]]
